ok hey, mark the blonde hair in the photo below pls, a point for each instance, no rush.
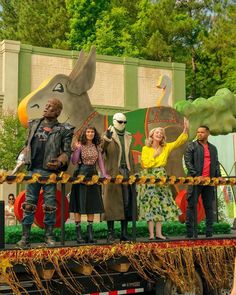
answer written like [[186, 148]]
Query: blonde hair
[[149, 140]]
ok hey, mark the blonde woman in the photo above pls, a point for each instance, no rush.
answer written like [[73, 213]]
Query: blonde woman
[[156, 203]]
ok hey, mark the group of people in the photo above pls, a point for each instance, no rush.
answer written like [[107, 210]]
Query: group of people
[[49, 148]]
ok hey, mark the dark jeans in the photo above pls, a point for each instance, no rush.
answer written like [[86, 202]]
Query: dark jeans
[[208, 195], [32, 195]]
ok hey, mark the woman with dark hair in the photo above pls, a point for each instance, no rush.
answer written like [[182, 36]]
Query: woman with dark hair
[[10, 218], [87, 199], [156, 203]]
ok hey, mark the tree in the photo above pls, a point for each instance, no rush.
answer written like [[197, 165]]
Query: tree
[[12, 138], [83, 16], [43, 23], [113, 33], [218, 65], [39, 23], [199, 33], [9, 19], [183, 31]]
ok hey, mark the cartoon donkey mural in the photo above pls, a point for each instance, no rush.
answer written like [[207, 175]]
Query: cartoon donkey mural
[[78, 111]]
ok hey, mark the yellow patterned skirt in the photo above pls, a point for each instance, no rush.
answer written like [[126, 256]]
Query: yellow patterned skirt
[[155, 202]]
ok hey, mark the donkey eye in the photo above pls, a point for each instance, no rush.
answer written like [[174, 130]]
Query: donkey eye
[[59, 88]]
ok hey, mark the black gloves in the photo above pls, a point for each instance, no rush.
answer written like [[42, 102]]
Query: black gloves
[[109, 134]]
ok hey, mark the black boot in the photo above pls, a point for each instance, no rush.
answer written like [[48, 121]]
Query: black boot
[[110, 231], [90, 238], [24, 242], [124, 235], [49, 240], [79, 239]]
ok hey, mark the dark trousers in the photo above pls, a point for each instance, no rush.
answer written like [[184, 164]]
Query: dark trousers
[[127, 194], [208, 195]]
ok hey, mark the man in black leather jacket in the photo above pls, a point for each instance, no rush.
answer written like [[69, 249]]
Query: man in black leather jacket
[[201, 159], [47, 151]]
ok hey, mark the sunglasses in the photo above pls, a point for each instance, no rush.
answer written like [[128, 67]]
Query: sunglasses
[[120, 122], [11, 199]]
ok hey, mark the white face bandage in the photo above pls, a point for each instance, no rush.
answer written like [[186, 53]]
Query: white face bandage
[[119, 121]]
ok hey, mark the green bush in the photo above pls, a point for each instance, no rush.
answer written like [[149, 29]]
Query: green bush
[[172, 229]]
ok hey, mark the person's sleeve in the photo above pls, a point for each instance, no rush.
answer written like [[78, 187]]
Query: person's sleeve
[[218, 173], [105, 143], [188, 159], [30, 123], [76, 155], [66, 145], [178, 142], [101, 165], [147, 159], [6, 211]]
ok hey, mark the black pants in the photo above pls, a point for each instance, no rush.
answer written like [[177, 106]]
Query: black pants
[[127, 194], [208, 196]]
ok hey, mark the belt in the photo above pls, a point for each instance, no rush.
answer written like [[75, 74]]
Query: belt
[[88, 165]]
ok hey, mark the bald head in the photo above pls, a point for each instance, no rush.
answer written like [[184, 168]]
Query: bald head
[[53, 108]]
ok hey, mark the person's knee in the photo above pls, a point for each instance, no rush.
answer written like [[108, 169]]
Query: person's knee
[[49, 209], [28, 207]]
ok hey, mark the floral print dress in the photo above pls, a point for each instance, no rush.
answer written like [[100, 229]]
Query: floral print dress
[[155, 202]]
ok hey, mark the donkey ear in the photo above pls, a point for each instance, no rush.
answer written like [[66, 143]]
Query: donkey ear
[[82, 76], [79, 63]]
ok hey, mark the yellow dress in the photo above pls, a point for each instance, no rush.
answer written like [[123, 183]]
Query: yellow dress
[[156, 202]]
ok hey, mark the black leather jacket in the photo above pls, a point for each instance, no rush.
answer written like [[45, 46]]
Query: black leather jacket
[[194, 159], [58, 145]]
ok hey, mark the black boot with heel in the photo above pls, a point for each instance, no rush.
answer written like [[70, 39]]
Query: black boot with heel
[[90, 238], [110, 231], [124, 231], [79, 238]]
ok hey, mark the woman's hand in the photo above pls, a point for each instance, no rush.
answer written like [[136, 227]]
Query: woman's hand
[[186, 125], [77, 145]]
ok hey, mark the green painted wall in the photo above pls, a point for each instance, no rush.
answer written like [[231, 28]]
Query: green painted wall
[[131, 83], [24, 71]]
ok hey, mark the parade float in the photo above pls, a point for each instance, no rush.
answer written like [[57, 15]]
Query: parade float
[[176, 266]]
